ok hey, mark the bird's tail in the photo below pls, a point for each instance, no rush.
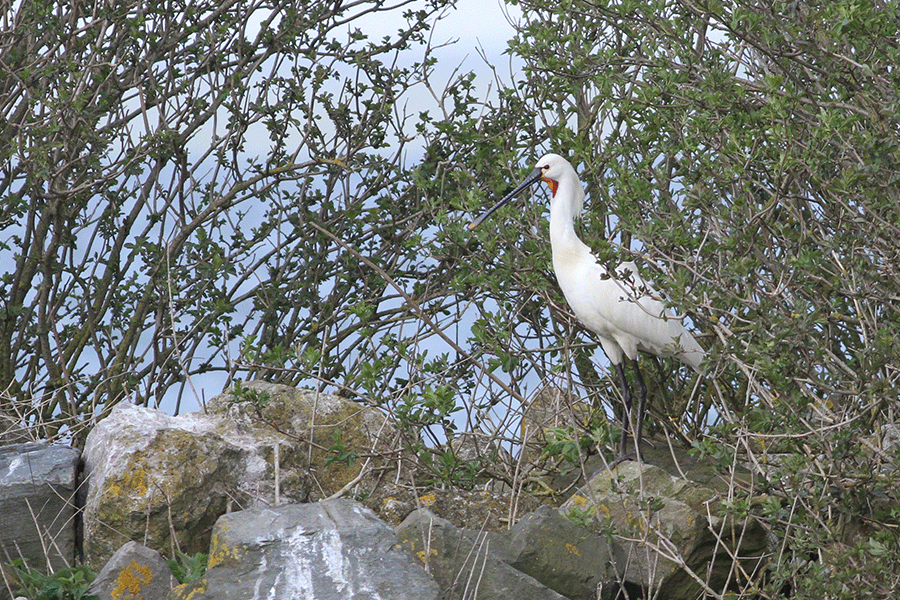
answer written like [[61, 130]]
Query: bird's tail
[[692, 354]]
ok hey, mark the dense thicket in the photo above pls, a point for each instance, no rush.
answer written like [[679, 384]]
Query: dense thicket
[[172, 178], [237, 187], [746, 153]]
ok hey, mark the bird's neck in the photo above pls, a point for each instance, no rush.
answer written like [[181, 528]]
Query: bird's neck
[[565, 206]]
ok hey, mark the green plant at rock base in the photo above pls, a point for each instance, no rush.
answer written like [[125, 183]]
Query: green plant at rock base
[[188, 567], [70, 583], [571, 444], [585, 517], [244, 395], [340, 451]]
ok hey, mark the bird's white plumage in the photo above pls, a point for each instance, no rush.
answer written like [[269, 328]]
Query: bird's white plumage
[[621, 310]]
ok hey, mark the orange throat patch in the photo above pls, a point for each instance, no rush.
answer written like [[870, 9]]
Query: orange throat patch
[[553, 184]]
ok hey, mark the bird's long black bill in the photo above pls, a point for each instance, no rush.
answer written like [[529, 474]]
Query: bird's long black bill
[[533, 178]]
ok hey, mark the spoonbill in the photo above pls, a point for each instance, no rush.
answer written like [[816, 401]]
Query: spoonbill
[[621, 309]]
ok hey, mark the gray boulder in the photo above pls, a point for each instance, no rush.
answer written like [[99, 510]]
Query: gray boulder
[[134, 572], [151, 475], [330, 550], [463, 563], [670, 530], [38, 483], [563, 556]]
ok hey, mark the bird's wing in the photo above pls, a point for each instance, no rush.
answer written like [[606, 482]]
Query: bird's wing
[[642, 320]]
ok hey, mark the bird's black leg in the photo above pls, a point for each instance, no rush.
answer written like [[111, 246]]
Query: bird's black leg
[[626, 419], [642, 402]]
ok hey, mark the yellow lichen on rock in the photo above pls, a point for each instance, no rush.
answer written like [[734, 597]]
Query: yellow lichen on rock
[[607, 513], [219, 551], [423, 555], [136, 480], [131, 581], [189, 590]]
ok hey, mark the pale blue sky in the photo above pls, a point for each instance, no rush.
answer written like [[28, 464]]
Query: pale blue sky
[[474, 27]]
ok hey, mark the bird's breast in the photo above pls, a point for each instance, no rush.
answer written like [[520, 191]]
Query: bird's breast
[[585, 286]]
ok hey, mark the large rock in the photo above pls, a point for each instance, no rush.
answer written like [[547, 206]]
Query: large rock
[[322, 437], [134, 572], [676, 544], [463, 563], [38, 483], [331, 550], [549, 409], [151, 474], [565, 557]]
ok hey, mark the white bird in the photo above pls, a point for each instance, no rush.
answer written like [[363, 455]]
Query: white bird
[[622, 310]]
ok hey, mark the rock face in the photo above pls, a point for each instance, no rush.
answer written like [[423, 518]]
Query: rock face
[[150, 474], [563, 556], [38, 483], [462, 562], [216, 482], [543, 556], [331, 550], [312, 430], [668, 525]]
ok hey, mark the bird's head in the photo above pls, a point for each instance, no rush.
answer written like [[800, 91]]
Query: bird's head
[[551, 169]]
